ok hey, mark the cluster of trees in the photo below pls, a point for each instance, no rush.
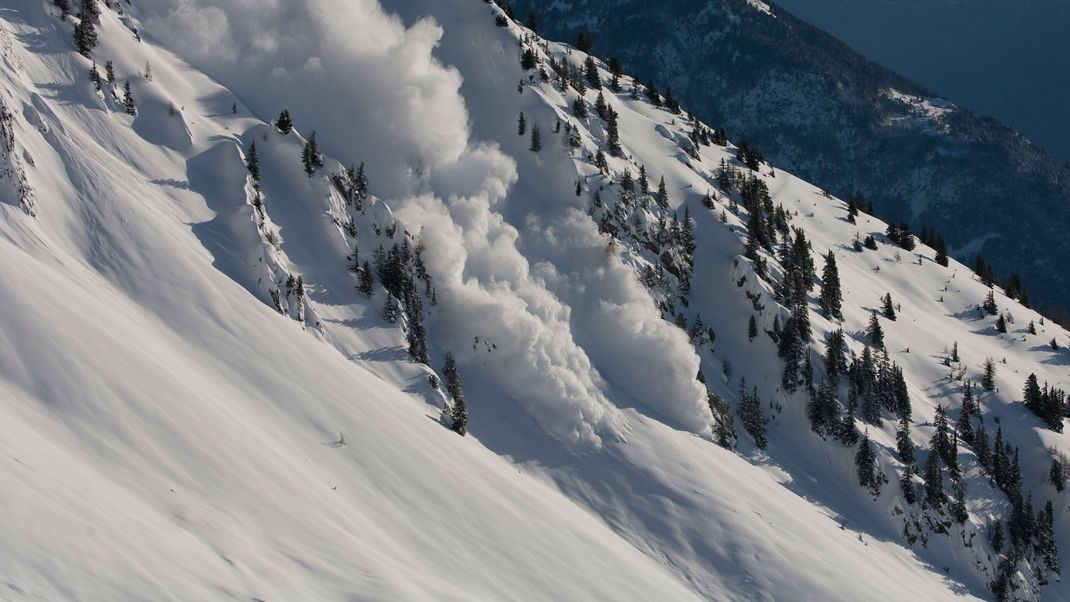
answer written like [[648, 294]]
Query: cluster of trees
[[1048, 403], [352, 184], [85, 32], [311, 158], [902, 236], [749, 155], [399, 270]]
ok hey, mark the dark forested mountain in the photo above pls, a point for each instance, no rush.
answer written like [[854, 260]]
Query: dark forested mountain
[[814, 106]]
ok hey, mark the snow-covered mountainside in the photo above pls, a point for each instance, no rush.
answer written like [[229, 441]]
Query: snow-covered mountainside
[[818, 108], [265, 265]]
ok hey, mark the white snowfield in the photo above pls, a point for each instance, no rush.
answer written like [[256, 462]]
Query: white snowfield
[[165, 433]]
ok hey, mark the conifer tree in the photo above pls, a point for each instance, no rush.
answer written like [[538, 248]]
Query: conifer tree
[[528, 60], [459, 411], [875, 333], [366, 283], [391, 309], [579, 108], [613, 136], [94, 77], [934, 480], [284, 123], [536, 140], [836, 356], [988, 380], [64, 8], [750, 412], [590, 71], [752, 329], [831, 294], [311, 158], [823, 411], [1056, 476], [85, 33], [662, 196], [1031, 328], [521, 125], [252, 162], [109, 72], [906, 485], [1001, 325], [941, 251], [128, 100], [904, 446], [990, 304], [865, 465], [887, 307], [644, 183]]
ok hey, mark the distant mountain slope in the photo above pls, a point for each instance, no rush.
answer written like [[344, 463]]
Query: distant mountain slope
[[1004, 59], [816, 107]]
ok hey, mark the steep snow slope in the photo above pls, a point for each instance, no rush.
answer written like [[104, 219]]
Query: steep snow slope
[[171, 435]]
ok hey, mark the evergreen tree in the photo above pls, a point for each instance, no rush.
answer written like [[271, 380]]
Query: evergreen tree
[[988, 380], [865, 465], [752, 329], [521, 125], [284, 123], [459, 411], [64, 8], [128, 100], [644, 183], [1056, 477], [964, 426], [85, 33], [906, 485], [1031, 328], [990, 304], [391, 309], [91, 10], [875, 333], [1047, 545], [941, 251], [1001, 325], [750, 412], [888, 308], [528, 60], [958, 506], [613, 135], [831, 295], [955, 352], [579, 108], [536, 140], [94, 77], [904, 446], [252, 162], [109, 72], [311, 158], [590, 71], [934, 480], [823, 411], [836, 356], [366, 283], [662, 196]]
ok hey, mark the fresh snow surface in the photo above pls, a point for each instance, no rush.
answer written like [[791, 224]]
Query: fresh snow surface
[[167, 434]]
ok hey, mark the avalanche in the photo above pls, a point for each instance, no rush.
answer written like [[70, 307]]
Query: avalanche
[[198, 402]]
